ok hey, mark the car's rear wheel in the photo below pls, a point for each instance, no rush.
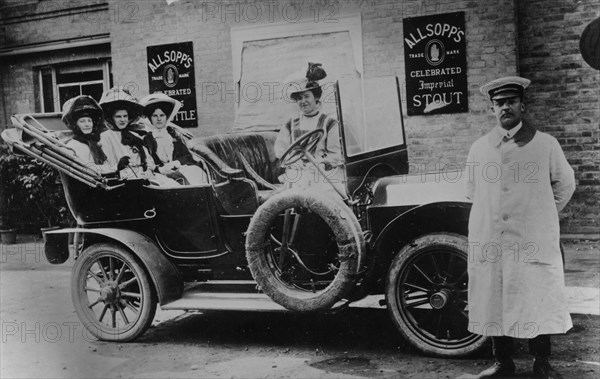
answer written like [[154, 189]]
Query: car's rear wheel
[[112, 293], [304, 249], [426, 295]]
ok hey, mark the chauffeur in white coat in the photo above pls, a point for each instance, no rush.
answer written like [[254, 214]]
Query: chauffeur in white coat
[[519, 181]]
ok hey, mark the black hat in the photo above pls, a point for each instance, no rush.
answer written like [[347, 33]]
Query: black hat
[[81, 106], [310, 83], [79, 113]]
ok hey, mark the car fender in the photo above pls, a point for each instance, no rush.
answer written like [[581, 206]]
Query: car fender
[[444, 216], [165, 276], [420, 189]]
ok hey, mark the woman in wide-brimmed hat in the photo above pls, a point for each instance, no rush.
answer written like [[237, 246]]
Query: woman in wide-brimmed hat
[[166, 144], [123, 143], [84, 117], [328, 151]]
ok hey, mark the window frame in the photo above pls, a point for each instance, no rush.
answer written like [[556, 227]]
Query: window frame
[[104, 65]]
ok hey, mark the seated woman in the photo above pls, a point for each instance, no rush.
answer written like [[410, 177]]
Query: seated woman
[[123, 143], [327, 152], [83, 116], [167, 146]]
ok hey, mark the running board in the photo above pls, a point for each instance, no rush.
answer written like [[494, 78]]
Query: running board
[[223, 301], [219, 295], [233, 295]]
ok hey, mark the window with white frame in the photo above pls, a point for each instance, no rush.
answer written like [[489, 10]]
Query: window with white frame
[[58, 83]]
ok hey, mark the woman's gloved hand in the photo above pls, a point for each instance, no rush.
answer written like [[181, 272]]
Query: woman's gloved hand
[[329, 164], [169, 167], [123, 163]]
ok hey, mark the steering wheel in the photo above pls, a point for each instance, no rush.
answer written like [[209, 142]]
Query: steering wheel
[[300, 147]]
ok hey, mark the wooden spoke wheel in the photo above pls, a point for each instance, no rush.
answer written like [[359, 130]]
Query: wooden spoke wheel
[[427, 296], [112, 293]]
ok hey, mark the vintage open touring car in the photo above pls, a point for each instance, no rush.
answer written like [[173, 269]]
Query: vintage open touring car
[[241, 242]]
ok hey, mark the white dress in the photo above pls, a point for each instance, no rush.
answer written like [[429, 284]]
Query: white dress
[[164, 150], [114, 149], [83, 152], [304, 174]]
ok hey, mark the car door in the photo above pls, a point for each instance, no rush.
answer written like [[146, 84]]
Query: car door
[[185, 221]]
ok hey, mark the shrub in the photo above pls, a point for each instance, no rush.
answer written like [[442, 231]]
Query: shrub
[[32, 194]]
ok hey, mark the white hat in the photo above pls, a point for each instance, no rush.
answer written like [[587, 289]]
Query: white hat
[[501, 88], [159, 100], [118, 98]]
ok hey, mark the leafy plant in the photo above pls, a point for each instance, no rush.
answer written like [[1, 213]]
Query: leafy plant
[[8, 189], [31, 192]]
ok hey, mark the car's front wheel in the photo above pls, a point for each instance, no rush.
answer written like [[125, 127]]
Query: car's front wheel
[[426, 295], [112, 293]]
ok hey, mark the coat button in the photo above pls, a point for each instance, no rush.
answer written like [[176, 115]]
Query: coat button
[[504, 217], [505, 189]]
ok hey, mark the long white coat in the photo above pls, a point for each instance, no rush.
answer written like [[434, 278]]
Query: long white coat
[[516, 279]]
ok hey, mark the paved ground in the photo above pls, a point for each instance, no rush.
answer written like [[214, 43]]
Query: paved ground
[[42, 337]]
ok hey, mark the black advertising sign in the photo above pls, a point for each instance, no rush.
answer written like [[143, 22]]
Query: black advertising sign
[[171, 71], [435, 55]]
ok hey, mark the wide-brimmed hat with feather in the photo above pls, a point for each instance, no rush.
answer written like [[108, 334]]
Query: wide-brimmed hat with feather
[[116, 99], [314, 73]]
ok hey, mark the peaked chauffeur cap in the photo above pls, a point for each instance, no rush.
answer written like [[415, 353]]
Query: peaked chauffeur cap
[[502, 88]]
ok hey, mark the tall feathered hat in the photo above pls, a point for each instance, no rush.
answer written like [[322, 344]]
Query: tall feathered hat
[[314, 73]]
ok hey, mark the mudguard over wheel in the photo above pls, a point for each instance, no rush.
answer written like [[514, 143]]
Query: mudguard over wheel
[[426, 295], [304, 249], [112, 293]]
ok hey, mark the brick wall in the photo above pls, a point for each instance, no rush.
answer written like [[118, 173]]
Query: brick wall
[[208, 25], [24, 23], [42, 21], [498, 33], [538, 39], [565, 95], [19, 77], [157, 24], [438, 140]]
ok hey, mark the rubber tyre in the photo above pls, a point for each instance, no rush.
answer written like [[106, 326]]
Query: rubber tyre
[[136, 285], [349, 239], [448, 252]]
